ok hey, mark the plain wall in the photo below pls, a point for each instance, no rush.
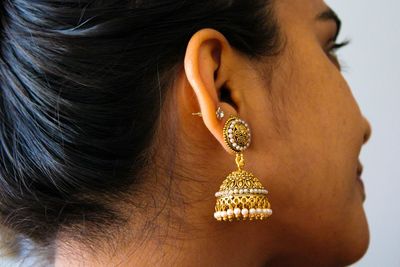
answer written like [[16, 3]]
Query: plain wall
[[372, 68]]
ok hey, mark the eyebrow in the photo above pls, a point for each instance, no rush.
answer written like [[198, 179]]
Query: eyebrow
[[329, 15]]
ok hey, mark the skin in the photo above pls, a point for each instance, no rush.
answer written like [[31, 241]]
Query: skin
[[307, 134]]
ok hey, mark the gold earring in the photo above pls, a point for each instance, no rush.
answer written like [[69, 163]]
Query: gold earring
[[241, 195]]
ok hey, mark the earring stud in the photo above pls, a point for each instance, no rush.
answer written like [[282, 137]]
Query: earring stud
[[220, 113]]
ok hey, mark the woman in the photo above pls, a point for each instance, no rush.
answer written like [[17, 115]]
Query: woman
[[114, 139]]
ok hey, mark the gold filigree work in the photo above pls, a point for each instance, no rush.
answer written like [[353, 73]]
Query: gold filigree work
[[237, 134], [241, 195], [242, 191]]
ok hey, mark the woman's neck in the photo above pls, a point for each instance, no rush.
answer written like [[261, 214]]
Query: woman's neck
[[204, 243]]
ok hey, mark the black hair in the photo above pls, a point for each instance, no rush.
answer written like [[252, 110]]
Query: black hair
[[80, 84]]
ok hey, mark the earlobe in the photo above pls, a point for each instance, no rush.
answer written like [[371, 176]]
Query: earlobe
[[207, 55]]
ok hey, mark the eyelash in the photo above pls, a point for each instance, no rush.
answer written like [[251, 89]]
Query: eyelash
[[333, 49], [336, 46]]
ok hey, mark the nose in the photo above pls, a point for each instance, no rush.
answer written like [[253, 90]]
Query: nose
[[367, 131]]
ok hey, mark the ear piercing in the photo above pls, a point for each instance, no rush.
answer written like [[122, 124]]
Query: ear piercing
[[220, 113]]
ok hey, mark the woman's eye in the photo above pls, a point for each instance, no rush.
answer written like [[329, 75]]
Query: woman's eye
[[332, 51]]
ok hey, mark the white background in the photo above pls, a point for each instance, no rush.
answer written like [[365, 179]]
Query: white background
[[372, 68]]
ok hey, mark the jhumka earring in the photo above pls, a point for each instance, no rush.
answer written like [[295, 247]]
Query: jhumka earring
[[241, 195]]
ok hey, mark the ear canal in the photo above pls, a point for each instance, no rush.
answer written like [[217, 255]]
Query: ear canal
[[225, 96]]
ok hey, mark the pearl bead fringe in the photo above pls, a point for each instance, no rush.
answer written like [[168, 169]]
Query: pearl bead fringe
[[242, 213]]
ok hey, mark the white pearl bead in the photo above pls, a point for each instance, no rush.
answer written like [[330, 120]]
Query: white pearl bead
[[232, 140], [245, 212], [265, 211], [217, 215], [252, 211], [235, 191], [223, 214], [246, 190], [216, 194], [259, 211], [241, 191], [269, 211], [234, 144], [229, 212], [251, 190], [236, 211], [230, 131], [230, 135]]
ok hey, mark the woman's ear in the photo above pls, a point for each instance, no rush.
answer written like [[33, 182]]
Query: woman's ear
[[207, 60]]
